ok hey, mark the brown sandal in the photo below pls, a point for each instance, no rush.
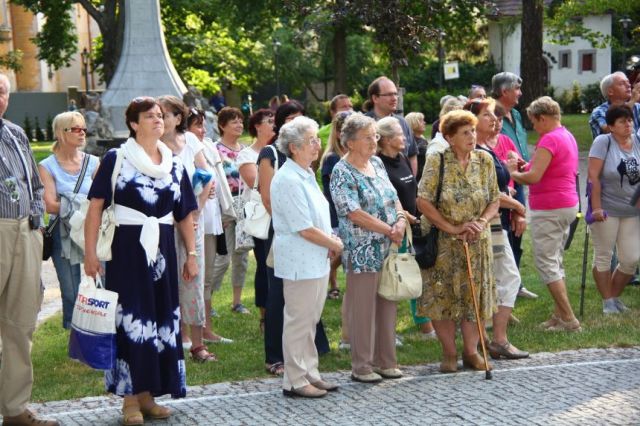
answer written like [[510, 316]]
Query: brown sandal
[[201, 354]]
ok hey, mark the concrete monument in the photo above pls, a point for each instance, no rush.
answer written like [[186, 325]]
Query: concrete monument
[[144, 68]]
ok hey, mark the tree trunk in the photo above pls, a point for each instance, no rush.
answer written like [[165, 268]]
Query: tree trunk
[[531, 62], [112, 37], [340, 60]]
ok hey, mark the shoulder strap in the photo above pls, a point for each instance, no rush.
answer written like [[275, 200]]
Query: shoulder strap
[[23, 161], [114, 175], [83, 171], [275, 153], [441, 175]]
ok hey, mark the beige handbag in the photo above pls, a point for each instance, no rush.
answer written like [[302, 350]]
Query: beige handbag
[[108, 224], [400, 278]]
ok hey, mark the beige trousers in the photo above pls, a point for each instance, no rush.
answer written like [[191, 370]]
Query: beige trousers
[[372, 324], [20, 298], [303, 304]]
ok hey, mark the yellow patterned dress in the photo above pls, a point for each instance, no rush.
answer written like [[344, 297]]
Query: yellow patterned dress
[[465, 195]]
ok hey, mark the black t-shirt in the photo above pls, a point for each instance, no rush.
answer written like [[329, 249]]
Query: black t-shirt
[[327, 167], [422, 156], [267, 152], [402, 179], [503, 176]]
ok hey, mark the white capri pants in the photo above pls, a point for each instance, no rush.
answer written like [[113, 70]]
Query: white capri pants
[[507, 274], [624, 234]]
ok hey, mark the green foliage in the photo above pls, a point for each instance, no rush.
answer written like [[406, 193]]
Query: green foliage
[[26, 126], [56, 39], [50, 135], [591, 96], [12, 60], [570, 100], [39, 133]]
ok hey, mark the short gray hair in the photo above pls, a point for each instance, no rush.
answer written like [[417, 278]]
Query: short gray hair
[[502, 81], [352, 125], [386, 127], [292, 133], [608, 81]]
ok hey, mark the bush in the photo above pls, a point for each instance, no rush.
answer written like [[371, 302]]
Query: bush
[[591, 96], [26, 126], [50, 135], [39, 133], [427, 103], [569, 101]]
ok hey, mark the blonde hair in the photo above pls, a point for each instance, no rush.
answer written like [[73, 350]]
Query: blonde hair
[[452, 121], [334, 145], [451, 104], [414, 119], [544, 105], [63, 121]]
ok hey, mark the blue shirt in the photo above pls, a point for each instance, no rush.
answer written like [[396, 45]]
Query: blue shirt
[[66, 182], [298, 204], [516, 131], [598, 121]]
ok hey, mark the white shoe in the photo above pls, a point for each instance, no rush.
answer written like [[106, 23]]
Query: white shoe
[[220, 339], [398, 342], [429, 336], [388, 373], [523, 292], [621, 306], [609, 307], [344, 346]]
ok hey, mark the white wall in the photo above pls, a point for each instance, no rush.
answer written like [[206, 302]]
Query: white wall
[[506, 54]]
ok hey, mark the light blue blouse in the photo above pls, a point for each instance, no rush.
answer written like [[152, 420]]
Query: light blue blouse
[[297, 204]]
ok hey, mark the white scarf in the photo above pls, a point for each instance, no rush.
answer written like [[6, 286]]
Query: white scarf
[[142, 162]]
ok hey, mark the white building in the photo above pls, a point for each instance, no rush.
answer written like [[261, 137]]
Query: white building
[[577, 62]]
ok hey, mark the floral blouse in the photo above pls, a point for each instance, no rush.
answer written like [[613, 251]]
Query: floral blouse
[[351, 190], [229, 159]]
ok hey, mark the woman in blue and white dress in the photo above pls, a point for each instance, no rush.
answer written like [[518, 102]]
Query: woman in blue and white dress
[[152, 193]]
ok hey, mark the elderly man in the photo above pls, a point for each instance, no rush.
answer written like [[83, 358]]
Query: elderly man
[[505, 87], [617, 90], [21, 210], [383, 102]]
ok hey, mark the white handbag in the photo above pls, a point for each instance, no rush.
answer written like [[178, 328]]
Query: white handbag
[[108, 225], [257, 219], [400, 278]]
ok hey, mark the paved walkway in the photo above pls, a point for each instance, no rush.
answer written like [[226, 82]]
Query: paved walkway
[[586, 387]]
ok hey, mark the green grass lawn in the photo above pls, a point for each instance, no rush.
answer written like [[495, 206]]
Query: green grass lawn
[[57, 377]]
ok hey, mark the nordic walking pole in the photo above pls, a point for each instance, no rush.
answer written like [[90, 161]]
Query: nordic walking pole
[[584, 268], [476, 309]]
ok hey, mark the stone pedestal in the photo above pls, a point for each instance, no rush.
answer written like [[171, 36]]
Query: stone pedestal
[[145, 68]]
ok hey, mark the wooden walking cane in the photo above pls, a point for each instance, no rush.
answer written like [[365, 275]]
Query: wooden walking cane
[[476, 308]]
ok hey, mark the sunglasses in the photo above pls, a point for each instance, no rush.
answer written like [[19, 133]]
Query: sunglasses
[[193, 112], [141, 99], [76, 129], [12, 185]]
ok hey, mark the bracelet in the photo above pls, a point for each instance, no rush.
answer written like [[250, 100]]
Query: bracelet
[[193, 253], [400, 213], [482, 219], [597, 211]]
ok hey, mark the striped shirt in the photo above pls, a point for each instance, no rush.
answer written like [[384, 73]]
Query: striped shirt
[[15, 202]]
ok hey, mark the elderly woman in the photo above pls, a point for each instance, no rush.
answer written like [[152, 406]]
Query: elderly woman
[[261, 129], [505, 269], [151, 183], [230, 124], [302, 246], [391, 146], [468, 201], [551, 176], [60, 173], [188, 148], [614, 162], [370, 217], [438, 143]]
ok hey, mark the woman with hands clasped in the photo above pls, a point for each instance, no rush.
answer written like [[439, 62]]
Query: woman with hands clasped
[[302, 247], [370, 217], [152, 192], [469, 200]]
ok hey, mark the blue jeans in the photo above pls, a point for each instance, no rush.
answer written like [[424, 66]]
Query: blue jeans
[[68, 277]]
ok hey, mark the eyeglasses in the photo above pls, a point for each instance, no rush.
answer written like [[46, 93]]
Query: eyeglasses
[[393, 94], [75, 129], [270, 121], [315, 141], [370, 138], [193, 112]]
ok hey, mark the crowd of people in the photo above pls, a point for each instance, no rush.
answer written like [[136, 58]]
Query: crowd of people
[[474, 179]]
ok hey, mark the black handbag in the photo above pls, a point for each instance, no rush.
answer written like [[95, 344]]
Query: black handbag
[[47, 236], [426, 246]]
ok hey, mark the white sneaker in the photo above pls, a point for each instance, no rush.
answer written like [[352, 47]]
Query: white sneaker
[[344, 346], [429, 336], [398, 342], [621, 306], [609, 307], [523, 292]]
